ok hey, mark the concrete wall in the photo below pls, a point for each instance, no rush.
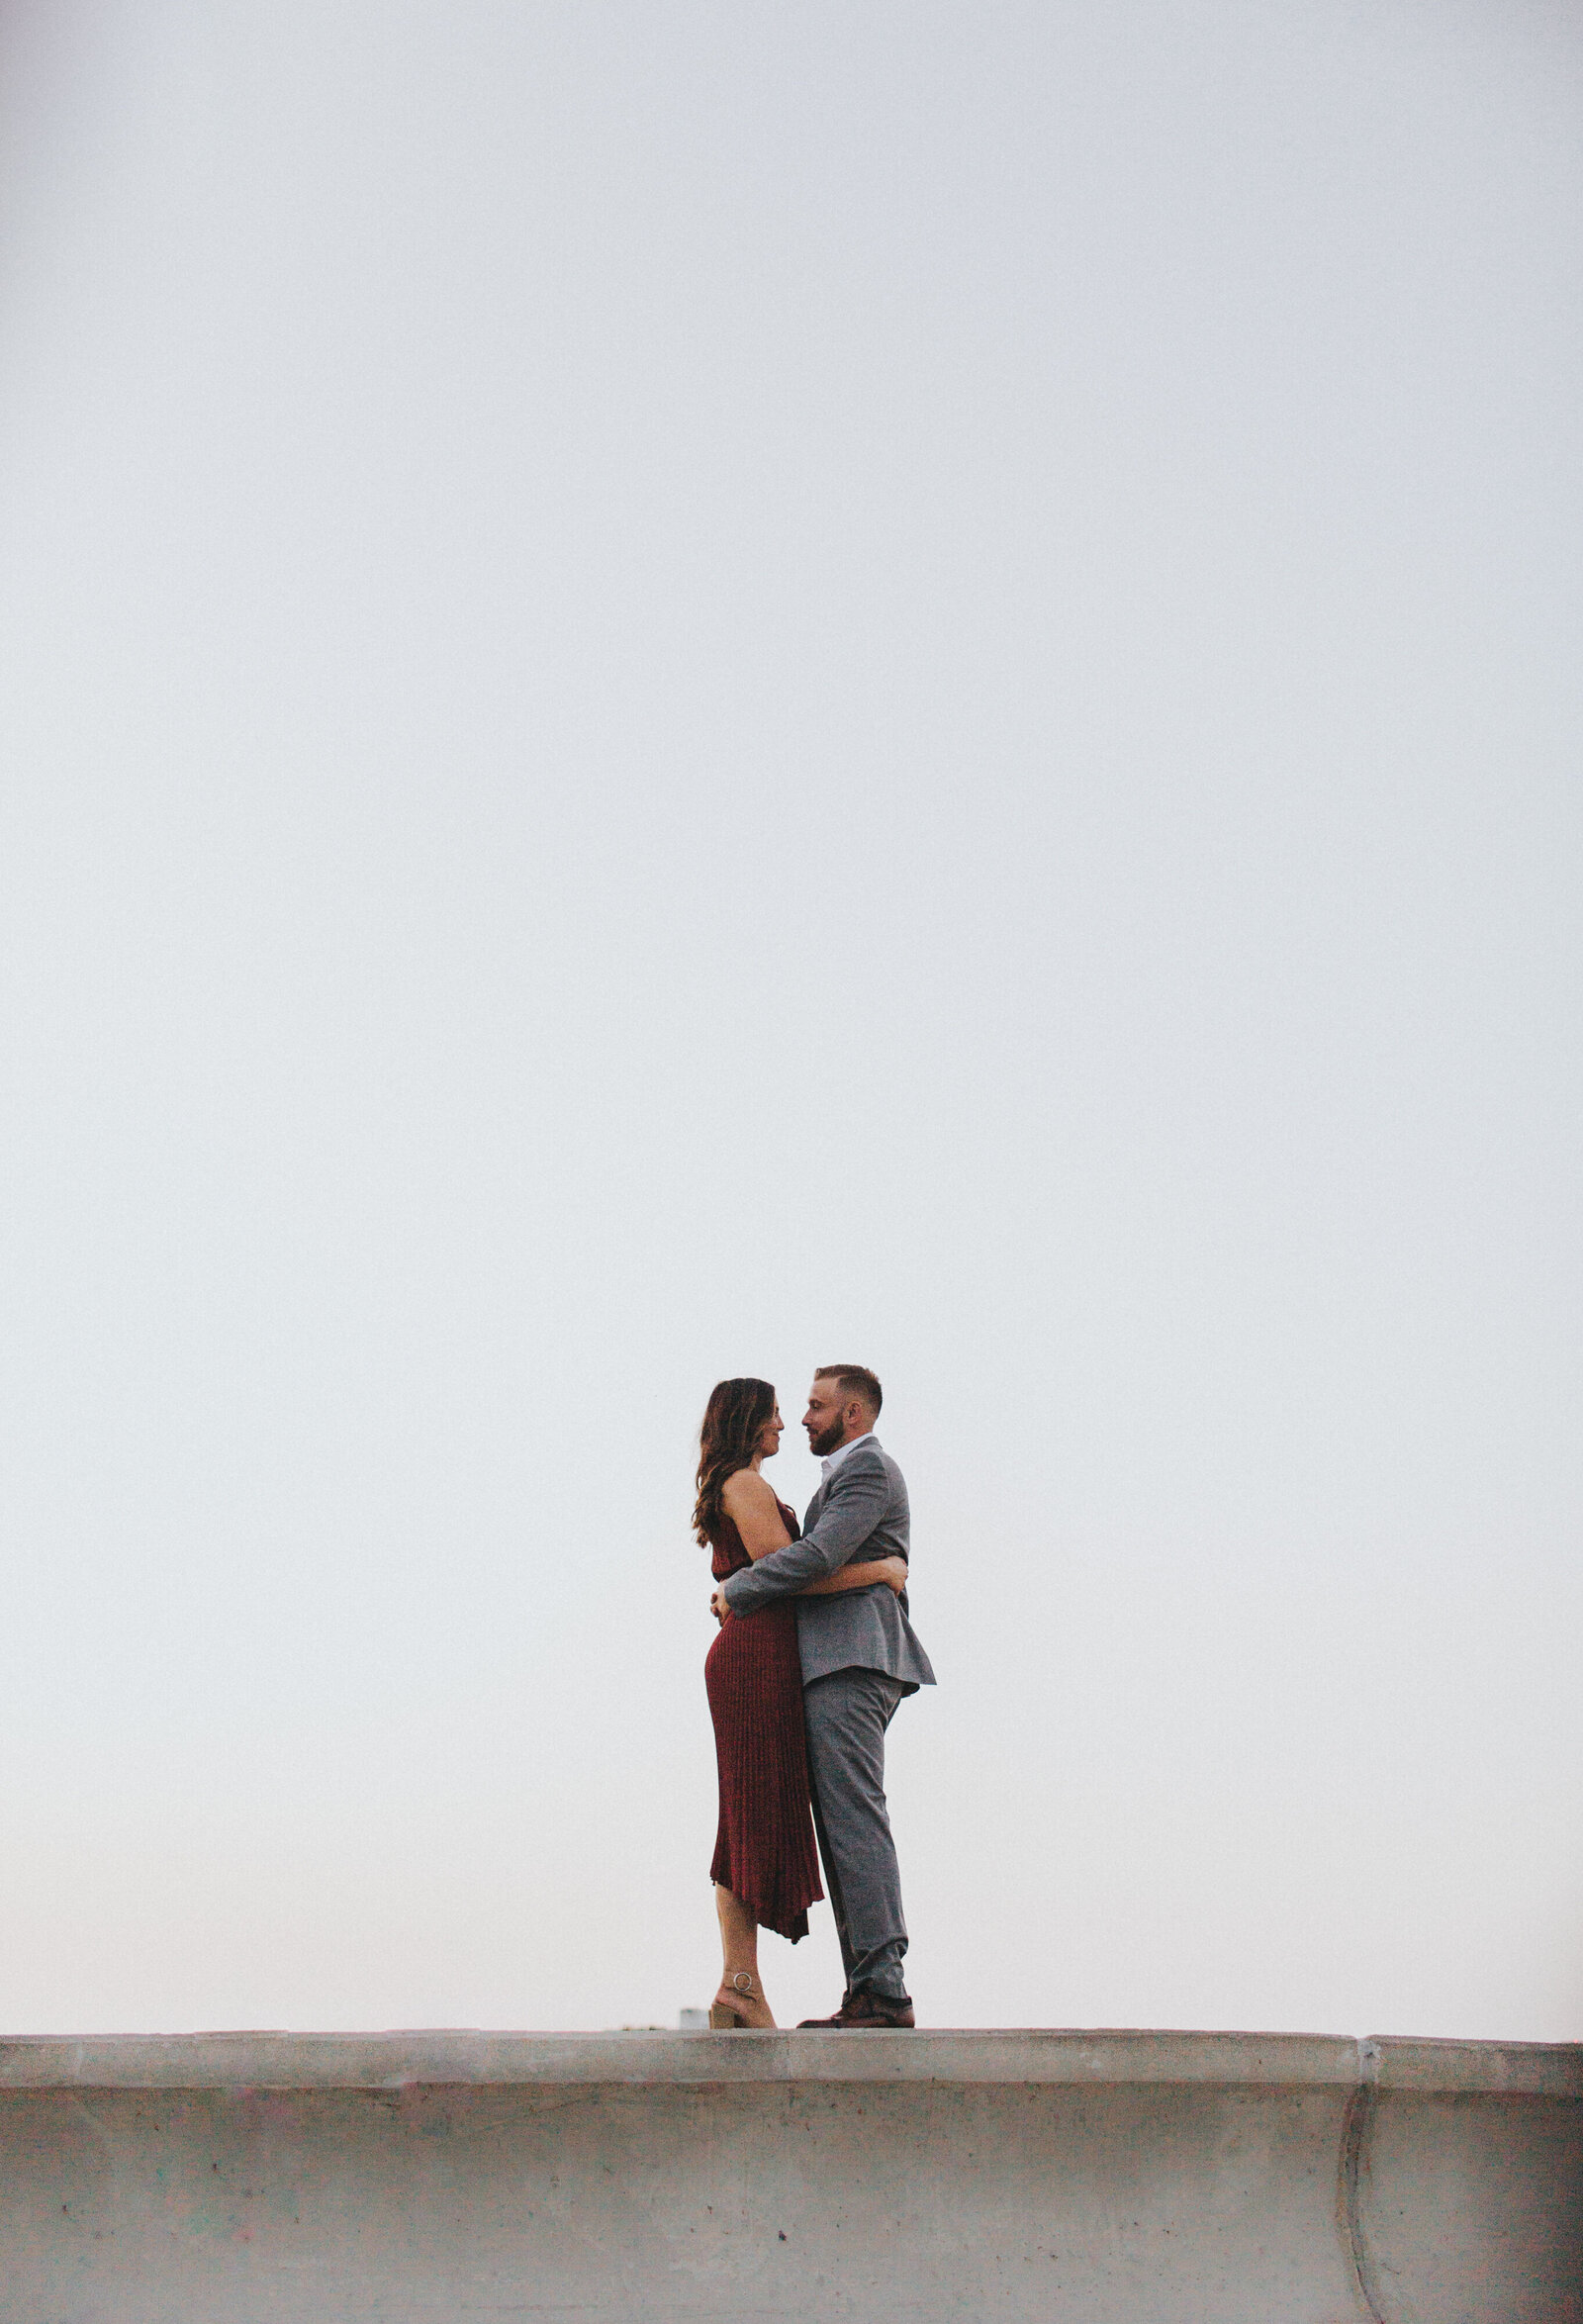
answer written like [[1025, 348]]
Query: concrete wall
[[1100, 2179]]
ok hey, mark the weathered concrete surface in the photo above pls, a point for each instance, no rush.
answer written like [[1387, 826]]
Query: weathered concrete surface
[[1083, 2179]]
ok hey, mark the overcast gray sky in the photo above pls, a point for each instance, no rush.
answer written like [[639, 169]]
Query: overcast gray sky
[[693, 688]]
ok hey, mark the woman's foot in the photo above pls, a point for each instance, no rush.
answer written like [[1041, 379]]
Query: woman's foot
[[740, 2003]]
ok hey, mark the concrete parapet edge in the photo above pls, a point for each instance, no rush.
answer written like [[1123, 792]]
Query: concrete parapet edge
[[400, 2059]]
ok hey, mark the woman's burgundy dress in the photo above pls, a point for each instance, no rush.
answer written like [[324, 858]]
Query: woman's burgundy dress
[[764, 1850]]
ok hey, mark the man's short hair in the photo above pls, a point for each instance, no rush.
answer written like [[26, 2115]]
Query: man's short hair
[[855, 1380]]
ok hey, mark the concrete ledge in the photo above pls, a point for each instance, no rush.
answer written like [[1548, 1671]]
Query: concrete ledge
[[1017, 2177], [404, 2060]]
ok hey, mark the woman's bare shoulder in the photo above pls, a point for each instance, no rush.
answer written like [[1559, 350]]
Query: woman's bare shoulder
[[744, 1488]]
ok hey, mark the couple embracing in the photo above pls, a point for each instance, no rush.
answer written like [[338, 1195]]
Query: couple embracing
[[814, 1653]]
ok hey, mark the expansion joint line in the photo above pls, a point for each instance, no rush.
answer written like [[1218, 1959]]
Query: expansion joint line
[[1356, 2124]]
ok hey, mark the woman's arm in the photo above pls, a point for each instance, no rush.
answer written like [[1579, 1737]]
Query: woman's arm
[[890, 1570], [753, 1508]]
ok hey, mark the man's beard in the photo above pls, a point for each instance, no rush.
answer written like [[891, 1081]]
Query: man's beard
[[827, 1440]]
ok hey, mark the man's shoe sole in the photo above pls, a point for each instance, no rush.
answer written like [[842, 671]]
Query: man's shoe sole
[[857, 2025]]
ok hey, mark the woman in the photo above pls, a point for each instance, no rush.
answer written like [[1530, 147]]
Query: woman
[[765, 1866]]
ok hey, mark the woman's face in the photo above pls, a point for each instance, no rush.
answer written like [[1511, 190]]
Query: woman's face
[[770, 1435]]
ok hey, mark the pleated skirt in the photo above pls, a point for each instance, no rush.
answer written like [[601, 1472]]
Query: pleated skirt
[[764, 1847]]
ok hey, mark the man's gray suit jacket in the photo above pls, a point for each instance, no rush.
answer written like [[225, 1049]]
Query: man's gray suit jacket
[[860, 1512]]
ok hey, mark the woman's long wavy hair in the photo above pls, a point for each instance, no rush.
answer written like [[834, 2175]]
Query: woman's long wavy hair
[[733, 1418]]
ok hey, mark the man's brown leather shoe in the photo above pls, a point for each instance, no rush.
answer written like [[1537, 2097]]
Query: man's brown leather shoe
[[876, 2012]]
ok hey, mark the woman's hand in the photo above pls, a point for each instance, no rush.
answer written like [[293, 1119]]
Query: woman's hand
[[894, 1572]]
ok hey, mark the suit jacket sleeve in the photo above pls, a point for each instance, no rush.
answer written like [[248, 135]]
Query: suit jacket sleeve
[[852, 1506]]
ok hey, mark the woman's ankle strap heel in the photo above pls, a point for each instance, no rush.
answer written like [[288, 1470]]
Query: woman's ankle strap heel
[[723, 2018]]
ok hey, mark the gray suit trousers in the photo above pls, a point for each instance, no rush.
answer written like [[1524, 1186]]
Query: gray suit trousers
[[847, 1713]]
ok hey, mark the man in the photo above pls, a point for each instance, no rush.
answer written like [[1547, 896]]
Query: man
[[859, 1656]]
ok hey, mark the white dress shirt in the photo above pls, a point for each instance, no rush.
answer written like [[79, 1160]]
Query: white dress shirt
[[832, 1460]]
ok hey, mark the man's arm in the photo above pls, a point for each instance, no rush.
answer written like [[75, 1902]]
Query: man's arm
[[852, 1506]]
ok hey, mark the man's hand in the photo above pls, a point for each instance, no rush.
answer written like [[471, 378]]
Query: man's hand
[[718, 1606]]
